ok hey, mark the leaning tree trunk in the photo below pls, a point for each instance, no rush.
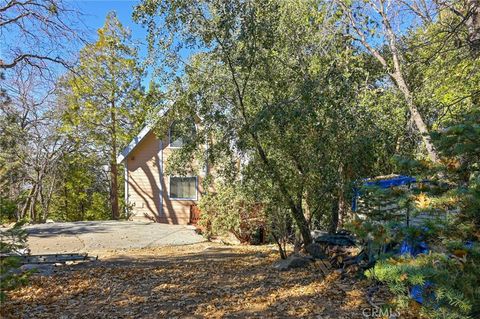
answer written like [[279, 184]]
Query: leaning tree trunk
[[302, 224], [398, 77], [295, 208], [415, 117], [396, 74]]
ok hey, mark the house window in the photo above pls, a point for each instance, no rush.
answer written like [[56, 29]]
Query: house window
[[183, 187], [181, 132]]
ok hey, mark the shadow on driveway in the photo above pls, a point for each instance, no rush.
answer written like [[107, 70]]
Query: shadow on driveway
[[98, 236]]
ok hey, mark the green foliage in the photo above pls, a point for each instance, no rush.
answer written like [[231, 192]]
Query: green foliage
[[275, 85], [106, 106], [12, 241], [12, 137], [84, 191], [451, 269], [8, 209], [230, 210], [453, 291]]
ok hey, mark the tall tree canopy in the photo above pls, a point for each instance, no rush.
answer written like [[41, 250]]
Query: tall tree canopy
[[275, 84], [103, 95]]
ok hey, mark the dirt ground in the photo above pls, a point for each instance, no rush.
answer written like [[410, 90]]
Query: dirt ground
[[194, 281]]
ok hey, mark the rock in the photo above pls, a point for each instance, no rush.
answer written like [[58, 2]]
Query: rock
[[316, 251], [230, 239], [22, 251], [293, 261], [49, 221]]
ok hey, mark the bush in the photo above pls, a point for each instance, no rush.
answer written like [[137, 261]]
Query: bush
[[229, 210], [12, 241], [7, 210], [281, 228], [450, 282]]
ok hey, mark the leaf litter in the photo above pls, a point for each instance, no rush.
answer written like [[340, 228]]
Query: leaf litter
[[195, 281]]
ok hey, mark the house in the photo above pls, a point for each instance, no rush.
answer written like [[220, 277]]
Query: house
[[150, 192]]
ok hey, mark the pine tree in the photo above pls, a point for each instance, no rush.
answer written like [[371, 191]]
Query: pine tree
[[103, 95]]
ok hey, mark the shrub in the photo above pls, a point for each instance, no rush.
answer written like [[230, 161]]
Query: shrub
[[449, 282], [230, 210], [12, 241], [7, 210]]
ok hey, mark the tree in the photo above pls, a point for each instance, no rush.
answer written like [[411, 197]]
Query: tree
[[274, 88], [469, 13], [83, 188], [372, 22], [444, 75], [41, 29], [103, 95], [37, 38], [32, 145]]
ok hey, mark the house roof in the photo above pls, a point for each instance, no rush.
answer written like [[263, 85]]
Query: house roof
[[137, 139]]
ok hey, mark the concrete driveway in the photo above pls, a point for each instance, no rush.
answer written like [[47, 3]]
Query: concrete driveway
[[102, 236]]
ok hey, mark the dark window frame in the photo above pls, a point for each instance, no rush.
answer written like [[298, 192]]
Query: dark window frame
[[195, 197]]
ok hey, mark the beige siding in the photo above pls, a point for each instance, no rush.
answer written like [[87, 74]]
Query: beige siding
[[144, 186]]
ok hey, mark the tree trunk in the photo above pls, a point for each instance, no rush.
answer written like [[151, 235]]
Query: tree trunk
[[398, 77], [281, 248], [302, 224], [48, 199], [113, 167], [473, 26], [65, 190], [26, 206], [114, 190], [334, 216], [343, 208], [296, 209], [416, 117], [33, 204], [397, 73]]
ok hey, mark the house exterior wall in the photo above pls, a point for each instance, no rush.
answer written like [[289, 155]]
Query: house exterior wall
[[148, 186]]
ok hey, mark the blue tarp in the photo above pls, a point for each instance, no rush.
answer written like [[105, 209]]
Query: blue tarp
[[413, 247], [395, 181], [382, 183]]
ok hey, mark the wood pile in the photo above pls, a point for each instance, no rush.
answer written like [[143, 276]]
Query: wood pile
[[342, 251]]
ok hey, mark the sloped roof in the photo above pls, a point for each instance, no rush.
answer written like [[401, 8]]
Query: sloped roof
[[137, 139]]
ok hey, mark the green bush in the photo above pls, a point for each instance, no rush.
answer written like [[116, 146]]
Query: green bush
[[229, 210], [7, 210], [451, 268], [453, 289], [12, 241]]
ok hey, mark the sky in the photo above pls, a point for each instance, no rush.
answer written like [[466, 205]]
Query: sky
[[95, 11]]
